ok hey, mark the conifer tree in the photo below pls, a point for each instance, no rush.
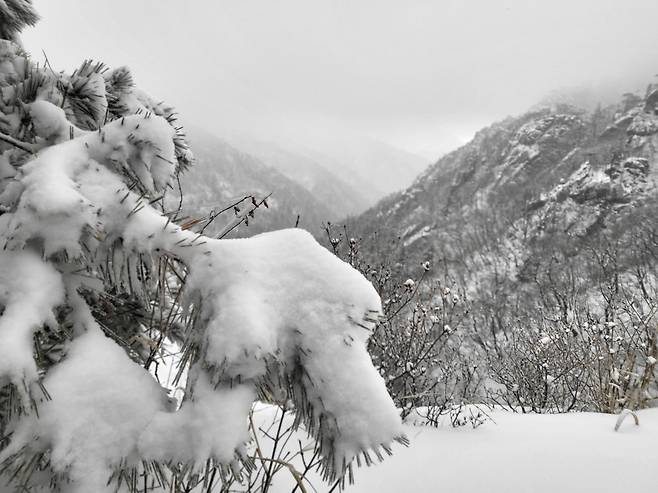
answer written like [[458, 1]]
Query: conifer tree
[[97, 277], [14, 16]]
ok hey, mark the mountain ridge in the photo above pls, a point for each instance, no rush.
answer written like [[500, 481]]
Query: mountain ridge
[[553, 183], [223, 175]]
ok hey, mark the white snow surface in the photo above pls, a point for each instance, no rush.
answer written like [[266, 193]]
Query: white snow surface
[[50, 123], [518, 453], [212, 424], [30, 290], [71, 186], [282, 297], [100, 404]]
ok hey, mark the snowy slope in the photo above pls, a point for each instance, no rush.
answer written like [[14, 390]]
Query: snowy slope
[[517, 454], [494, 211], [514, 453]]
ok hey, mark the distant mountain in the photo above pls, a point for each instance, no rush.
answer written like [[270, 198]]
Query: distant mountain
[[530, 197], [347, 174], [316, 185], [222, 174], [335, 190], [376, 168]]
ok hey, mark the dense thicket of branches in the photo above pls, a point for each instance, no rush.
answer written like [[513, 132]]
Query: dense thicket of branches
[[578, 333]]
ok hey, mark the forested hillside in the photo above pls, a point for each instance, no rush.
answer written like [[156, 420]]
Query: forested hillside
[[225, 178], [520, 269], [526, 195]]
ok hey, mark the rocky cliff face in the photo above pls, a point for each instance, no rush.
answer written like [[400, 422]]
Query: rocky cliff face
[[525, 191]]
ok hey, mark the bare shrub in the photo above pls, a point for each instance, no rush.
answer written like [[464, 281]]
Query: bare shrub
[[421, 345]]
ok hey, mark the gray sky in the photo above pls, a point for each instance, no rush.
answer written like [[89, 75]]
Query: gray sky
[[422, 75]]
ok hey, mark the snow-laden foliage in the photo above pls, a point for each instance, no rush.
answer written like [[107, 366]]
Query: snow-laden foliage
[[86, 160], [14, 16], [100, 403], [29, 292]]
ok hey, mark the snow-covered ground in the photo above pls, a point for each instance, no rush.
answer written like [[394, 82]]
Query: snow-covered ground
[[577, 452]]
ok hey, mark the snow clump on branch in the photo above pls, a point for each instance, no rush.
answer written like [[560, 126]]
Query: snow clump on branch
[[274, 317]]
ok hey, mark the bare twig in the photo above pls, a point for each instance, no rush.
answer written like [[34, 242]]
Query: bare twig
[[24, 146]]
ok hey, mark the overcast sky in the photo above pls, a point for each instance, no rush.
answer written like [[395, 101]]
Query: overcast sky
[[422, 75]]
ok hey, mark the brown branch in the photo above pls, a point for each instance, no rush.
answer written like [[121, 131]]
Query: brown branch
[[298, 477], [293, 471]]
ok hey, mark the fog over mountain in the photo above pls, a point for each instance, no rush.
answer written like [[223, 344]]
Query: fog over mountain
[[422, 75], [528, 195], [351, 173], [255, 245]]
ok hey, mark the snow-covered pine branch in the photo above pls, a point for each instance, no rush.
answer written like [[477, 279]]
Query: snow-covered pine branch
[[275, 316], [14, 16]]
